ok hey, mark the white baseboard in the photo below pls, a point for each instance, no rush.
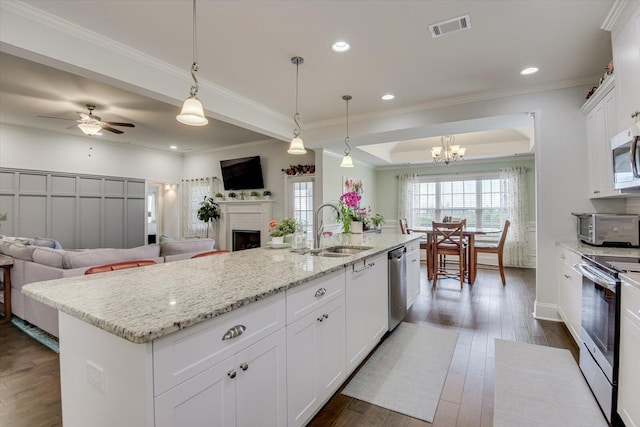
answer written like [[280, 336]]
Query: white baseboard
[[543, 311]]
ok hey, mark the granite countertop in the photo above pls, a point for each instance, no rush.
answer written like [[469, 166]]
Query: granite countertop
[[146, 303], [584, 249]]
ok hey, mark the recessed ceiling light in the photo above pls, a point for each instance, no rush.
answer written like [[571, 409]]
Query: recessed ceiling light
[[340, 46], [173, 147], [387, 97], [530, 70]]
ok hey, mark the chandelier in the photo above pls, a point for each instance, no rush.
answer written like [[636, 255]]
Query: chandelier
[[447, 152]]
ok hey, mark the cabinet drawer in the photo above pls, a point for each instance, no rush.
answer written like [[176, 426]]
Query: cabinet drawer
[[630, 303], [568, 256], [304, 299], [186, 353], [413, 246]]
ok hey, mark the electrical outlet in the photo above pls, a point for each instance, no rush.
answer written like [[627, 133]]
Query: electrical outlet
[[95, 375]]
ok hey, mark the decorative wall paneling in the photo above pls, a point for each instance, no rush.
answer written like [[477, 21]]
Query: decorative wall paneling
[[80, 211]]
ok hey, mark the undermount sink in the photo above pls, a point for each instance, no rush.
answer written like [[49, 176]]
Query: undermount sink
[[340, 251]]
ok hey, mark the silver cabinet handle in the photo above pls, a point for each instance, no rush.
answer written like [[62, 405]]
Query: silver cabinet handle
[[414, 260], [233, 332], [326, 316], [566, 276], [232, 373], [366, 266], [320, 292], [244, 366], [635, 114], [562, 256], [320, 319]]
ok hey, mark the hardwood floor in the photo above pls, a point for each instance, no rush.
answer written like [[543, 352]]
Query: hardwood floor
[[30, 377], [480, 313]]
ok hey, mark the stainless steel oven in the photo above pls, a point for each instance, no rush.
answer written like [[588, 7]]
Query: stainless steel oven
[[601, 326]]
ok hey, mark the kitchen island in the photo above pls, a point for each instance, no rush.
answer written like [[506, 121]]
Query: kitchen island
[[174, 344]]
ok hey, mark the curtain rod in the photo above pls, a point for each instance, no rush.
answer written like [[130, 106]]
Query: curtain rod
[[462, 173]]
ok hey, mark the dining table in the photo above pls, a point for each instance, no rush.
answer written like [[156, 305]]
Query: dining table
[[470, 234]]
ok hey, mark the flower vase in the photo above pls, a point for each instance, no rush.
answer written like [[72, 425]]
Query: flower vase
[[356, 227], [277, 240], [346, 227], [288, 238]]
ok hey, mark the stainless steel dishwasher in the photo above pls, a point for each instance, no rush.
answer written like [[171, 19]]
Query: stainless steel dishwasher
[[397, 286]]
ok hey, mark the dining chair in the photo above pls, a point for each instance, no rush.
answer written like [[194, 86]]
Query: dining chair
[[492, 248], [448, 239], [424, 243], [119, 266], [209, 253]]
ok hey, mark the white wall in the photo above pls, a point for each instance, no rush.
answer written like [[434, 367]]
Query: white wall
[[273, 156], [22, 148]]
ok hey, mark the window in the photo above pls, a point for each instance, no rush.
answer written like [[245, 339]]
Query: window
[[481, 200], [301, 201]]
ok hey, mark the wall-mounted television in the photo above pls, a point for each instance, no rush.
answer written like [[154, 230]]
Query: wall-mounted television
[[242, 174]]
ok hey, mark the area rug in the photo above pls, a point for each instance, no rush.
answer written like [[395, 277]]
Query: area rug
[[538, 386], [37, 334], [407, 371]]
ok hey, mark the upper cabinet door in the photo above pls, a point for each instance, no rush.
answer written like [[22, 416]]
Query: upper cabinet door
[[626, 61]]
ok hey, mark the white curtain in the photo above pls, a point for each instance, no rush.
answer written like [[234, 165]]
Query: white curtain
[[193, 192], [516, 203], [405, 197]]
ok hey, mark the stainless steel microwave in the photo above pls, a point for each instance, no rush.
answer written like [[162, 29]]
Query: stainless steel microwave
[[626, 158], [618, 230]]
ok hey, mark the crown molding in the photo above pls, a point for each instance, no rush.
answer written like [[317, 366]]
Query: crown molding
[[614, 14], [429, 164]]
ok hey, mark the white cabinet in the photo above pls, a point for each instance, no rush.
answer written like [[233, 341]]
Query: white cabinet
[[413, 272], [315, 360], [570, 292], [629, 374], [230, 371], [367, 307], [626, 61], [315, 345], [600, 111], [247, 389]]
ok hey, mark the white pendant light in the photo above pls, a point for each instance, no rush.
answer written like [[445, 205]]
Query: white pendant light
[[347, 161], [297, 145], [192, 113]]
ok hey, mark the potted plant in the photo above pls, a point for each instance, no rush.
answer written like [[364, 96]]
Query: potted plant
[[377, 221], [219, 197], [283, 229], [254, 195], [208, 212], [232, 195], [348, 204], [267, 194]]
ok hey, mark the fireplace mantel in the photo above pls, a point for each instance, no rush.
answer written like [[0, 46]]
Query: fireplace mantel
[[244, 215]]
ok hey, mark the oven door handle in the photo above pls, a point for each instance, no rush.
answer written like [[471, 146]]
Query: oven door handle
[[584, 269]]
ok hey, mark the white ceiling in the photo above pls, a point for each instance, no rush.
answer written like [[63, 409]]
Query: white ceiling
[[244, 49]]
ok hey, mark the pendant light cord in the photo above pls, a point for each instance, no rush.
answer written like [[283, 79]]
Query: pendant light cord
[[194, 66], [347, 150], [296, 116]]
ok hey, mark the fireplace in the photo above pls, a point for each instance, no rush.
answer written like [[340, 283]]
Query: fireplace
[[245, 239]]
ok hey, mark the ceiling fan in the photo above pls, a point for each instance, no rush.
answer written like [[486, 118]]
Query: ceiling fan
[[91, 125]]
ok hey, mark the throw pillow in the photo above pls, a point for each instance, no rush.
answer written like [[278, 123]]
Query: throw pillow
[[45, 242]]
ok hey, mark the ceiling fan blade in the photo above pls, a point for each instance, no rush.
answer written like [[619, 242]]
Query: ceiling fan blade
[[57, 118], [129, 125], [110, 129]]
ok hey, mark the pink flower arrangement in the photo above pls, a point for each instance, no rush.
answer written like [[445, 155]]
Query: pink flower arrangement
[[351, 199]]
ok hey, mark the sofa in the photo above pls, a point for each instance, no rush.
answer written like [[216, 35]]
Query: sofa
[[34, 263]]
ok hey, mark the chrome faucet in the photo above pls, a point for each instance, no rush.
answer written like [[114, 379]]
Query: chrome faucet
[[320, 226]]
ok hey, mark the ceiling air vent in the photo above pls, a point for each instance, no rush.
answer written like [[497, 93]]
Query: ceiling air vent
[[450, 26]]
